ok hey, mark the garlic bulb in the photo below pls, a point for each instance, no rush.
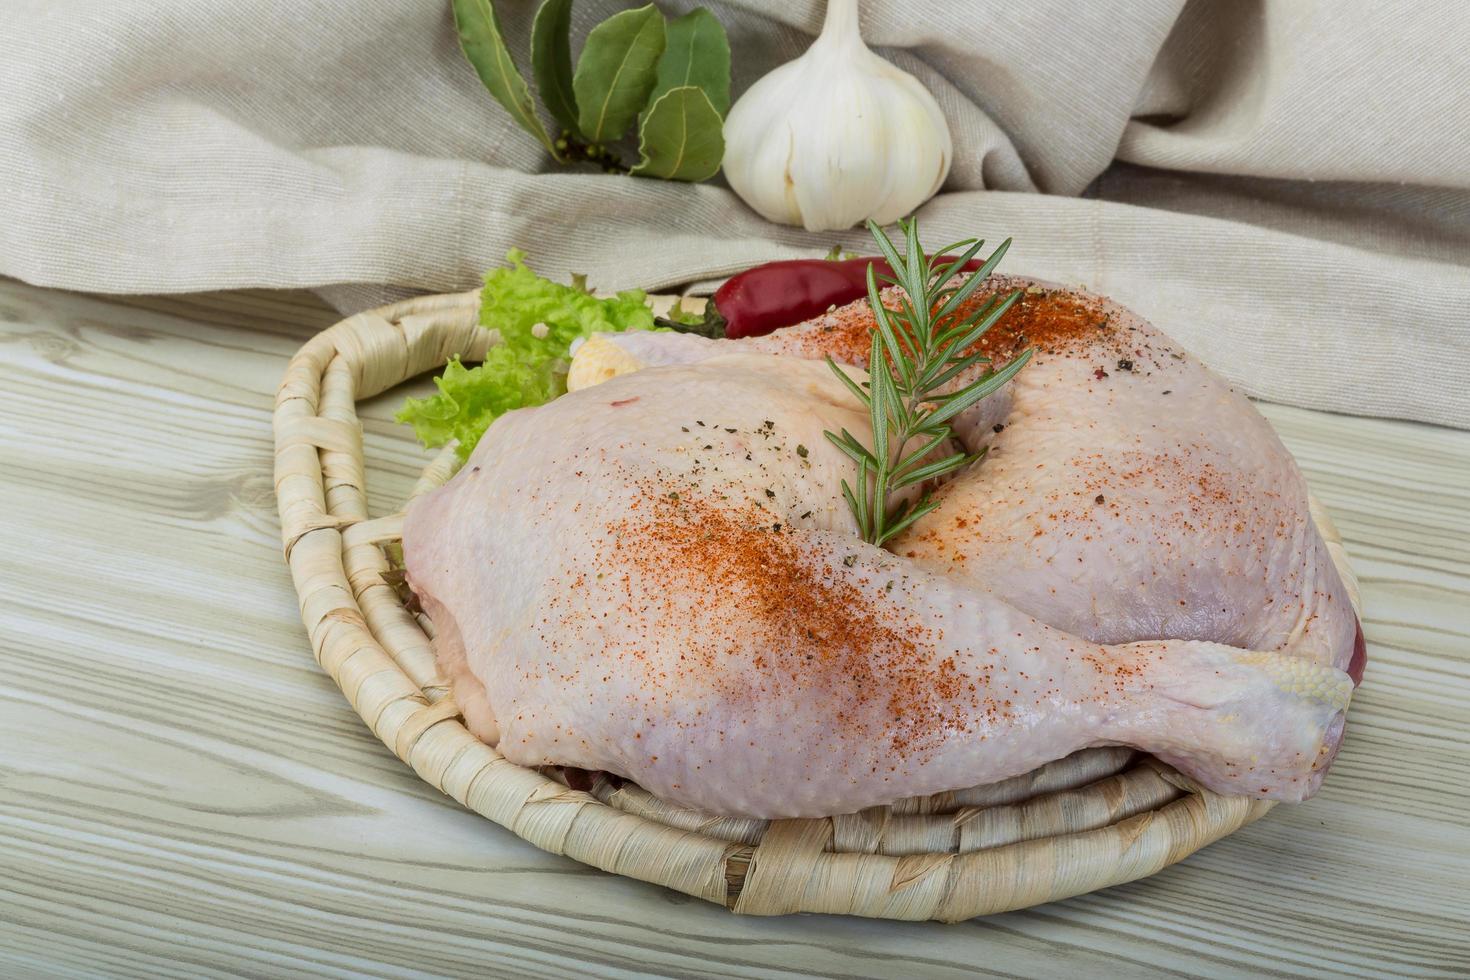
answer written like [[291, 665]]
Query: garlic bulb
[[837, 136]]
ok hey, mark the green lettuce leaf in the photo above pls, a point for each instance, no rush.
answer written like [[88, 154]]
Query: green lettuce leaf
[[523, 369]]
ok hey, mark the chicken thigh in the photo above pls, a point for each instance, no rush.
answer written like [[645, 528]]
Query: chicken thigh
[[658, 577]]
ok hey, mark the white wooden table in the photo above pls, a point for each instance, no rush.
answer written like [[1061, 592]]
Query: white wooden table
[[182, 791]]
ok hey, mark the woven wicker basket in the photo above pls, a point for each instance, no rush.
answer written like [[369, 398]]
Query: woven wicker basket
[[1097, 818]]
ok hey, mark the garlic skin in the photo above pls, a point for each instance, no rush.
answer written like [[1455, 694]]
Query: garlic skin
[[837, 136]]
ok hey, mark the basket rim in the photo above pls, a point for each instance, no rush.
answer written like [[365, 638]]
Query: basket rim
[[380, 657]]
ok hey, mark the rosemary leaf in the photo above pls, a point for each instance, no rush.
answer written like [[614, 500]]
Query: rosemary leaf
[[956, 369], [852, 385], [978, 328], [899, 357], [958, 402], [915, 457], [857, 511], [968, 323], [989, 265], [899, 526], [958, 297], [935, 469], [884, 401], [952, 268], [850, 446]]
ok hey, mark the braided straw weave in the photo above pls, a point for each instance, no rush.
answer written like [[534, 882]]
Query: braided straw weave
[[1097, 818]]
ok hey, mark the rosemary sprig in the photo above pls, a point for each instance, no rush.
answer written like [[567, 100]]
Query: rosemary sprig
[[918, 349]]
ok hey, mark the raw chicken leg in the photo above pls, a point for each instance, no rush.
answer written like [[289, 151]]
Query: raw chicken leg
[[658, 577]]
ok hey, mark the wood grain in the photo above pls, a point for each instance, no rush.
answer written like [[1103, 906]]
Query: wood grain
[[182, 792]]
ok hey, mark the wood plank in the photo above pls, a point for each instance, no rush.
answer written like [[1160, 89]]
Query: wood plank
[[182, 792]]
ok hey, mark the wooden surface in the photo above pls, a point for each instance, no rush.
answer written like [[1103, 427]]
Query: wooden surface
[[182, 791]]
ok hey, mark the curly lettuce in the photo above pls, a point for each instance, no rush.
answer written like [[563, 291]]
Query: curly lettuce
[[538, 321]]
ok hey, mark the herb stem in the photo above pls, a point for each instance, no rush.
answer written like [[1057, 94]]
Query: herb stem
[[576, 150], [916, 350]]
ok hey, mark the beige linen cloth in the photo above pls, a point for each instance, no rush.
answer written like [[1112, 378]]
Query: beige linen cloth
[[1283, 185]]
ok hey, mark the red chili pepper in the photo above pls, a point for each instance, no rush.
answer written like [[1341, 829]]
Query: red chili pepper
[[779, 294]]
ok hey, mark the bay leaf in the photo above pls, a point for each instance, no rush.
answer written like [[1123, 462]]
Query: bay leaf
[[551, 60], [697, 53], [617, 71], [484, 47], [681, 136]]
